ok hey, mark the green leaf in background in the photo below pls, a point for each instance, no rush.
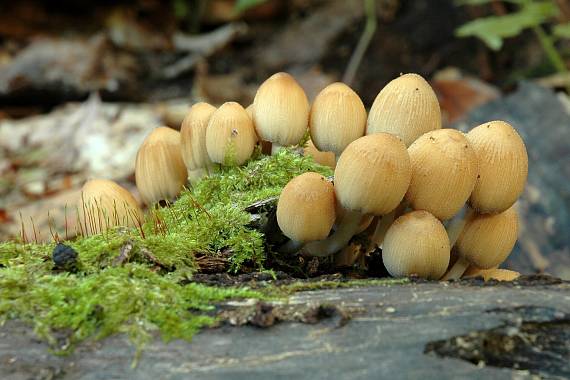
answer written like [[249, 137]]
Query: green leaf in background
[[562, 30], [244, 5], [492, 30]]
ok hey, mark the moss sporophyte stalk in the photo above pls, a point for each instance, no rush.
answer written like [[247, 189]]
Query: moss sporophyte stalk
[[138, 280]]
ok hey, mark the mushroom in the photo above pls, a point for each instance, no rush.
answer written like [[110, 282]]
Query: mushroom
[[193, 140], [322, 158], [160, 172], [444, 171], [281, 111], [493, 274], [105, 204], [337, 118], [406, 107], [371, 177], [264, 145], [485, 242], [230, 136], [296, 215], [503, 166], [416, 244]]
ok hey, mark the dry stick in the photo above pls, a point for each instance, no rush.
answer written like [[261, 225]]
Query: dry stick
[[34, 228], [54, 236], [84, 214], [363, 43], [23, 229], [65, 220], [77, 214], [136, 221]]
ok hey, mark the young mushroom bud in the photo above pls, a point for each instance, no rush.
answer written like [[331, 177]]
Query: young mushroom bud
[[444, 171], [485, 242], [322, 158], [105, 204], [160, 172], [493, 274], [416, 244], [306, 209], [337, 118], [281, 111], [230, 137], [406, 107], [193, 138], [371, 177], [503, 166]]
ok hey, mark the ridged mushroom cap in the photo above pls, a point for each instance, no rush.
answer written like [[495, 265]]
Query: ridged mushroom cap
[[444, 171], [406, 107], [281, 110], [373, 173], [104, 204], [322, 158], [193, 136], [230, 137], [503, 166], [160, 172], [306, 208], [337, 118], [416, 243], [488, 239]]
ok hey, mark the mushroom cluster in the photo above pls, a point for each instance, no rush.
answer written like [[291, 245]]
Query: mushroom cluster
[[437, 201]]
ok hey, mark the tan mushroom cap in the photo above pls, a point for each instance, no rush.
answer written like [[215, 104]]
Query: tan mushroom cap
[[306, 208], [281, 110], [493, 274], [230, 136], [104, 204], [337, 118], [406, 107], [193, 136], [373, 174], [503, 166], [488, 239], [160, 172], [322, 158], [416, 244], [444, 171]]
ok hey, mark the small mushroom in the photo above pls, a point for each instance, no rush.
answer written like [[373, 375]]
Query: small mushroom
[[193, 139], [322, 158], [493, 274], [503, 166], [337, 118], [105, 204], [160, 172], [306, 210], [371, 177], [281, 111], [406, 107], [264, 145], [444, 171], [230, 136], [485, 242], [416, 244]]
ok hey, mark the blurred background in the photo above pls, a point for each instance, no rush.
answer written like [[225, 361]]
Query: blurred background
[[82, 83]]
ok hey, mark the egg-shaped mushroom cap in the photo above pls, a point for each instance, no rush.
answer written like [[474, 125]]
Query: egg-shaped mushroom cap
[[488, 239], [444, 171], [416, 244], [230, 137], [373, 174], [104, 204], [493, 274], [306, 208], [193, 136], [281, 110], [337, 118], [160, 172], [503, 166], [322, 158], [406, 107]]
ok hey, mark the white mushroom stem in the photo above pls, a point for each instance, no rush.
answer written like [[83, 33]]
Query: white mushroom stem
[[275, 148], [456, 270], [382, 227], [335, 242], [291, 246], [456, 226]]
